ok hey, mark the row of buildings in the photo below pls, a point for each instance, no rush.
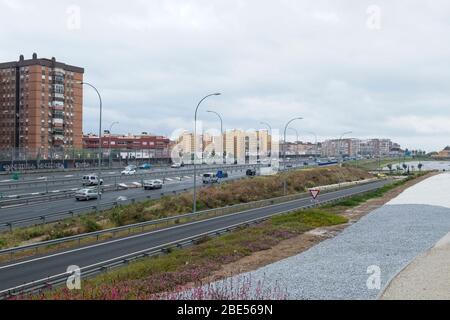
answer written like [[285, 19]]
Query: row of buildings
[[41, 116], [239, 144]]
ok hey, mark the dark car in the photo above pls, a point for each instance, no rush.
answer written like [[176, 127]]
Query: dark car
[[222, 174], [250, 172]]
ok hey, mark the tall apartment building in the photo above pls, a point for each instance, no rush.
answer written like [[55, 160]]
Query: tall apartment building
[[40, 106], [376, 147], [344, 147]]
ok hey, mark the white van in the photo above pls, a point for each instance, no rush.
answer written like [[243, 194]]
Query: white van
[[210, 178], [91, 180]]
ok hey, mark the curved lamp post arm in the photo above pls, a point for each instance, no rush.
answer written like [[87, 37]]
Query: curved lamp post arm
[[284, 149], [99, 140], [194, 205]]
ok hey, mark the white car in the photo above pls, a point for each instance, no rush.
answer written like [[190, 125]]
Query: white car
[[91, 180], [152, 184], [176, 165], [128, 172], [86, 194]]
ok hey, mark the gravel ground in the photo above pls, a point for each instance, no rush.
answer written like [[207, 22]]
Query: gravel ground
[[389, 237]]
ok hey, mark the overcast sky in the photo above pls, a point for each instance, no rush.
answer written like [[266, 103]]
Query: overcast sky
[[377, 68]]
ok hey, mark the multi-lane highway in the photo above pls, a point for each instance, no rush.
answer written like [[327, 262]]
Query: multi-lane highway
[[18, 213], [38, 268], [25, 211]]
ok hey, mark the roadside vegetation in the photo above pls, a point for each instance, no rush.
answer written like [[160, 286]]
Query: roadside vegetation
[[166, 276], [225, 194]]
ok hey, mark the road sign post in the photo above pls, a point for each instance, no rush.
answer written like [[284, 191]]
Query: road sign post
[[314, 192]]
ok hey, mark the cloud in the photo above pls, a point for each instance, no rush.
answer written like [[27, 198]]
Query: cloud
[[154, 60]]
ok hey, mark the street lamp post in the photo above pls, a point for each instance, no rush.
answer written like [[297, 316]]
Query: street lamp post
[[194, 205], [339, 145], [284, 150], [221, 133], [109, 142], [340, 153], [270, 133], [315, 143], [100, 142], [296, 142]]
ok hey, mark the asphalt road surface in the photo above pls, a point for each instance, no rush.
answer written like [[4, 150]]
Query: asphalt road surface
[[37, 268]]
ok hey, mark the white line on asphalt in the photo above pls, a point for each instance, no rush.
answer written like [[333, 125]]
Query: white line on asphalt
[[41, 178], [68, 176], [6, 180], [12, 206], [169, 179]]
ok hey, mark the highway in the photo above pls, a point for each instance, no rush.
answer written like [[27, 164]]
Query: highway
[[40, 267], [34, 210], [30, 212], [28, 185]]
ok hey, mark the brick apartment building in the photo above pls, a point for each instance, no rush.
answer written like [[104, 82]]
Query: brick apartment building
[[40, 106], [140, 146]]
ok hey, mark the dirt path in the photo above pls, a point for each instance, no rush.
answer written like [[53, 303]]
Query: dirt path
[[303, 242]]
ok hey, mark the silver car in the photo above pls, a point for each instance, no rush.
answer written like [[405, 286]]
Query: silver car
[[153, 184], [86, 194]]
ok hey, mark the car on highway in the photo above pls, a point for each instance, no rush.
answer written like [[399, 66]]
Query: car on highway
[[289, 165], [250, 172], [176, 165], [91, 180], [128, 171], [222, 174], [86, 194], [145, 166], [210, 178], [152, 184]]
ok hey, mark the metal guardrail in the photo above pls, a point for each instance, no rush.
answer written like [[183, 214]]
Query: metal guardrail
[[162, 249], [214, 212]]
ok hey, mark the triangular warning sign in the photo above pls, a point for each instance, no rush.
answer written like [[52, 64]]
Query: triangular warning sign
[[314, 193]]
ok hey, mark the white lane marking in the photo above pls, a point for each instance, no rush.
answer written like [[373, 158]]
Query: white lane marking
[[68, 176], [169, 179], [188, 177], [55, 191], [6, 180], [35, 193], [13, 205], [41, 178]]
